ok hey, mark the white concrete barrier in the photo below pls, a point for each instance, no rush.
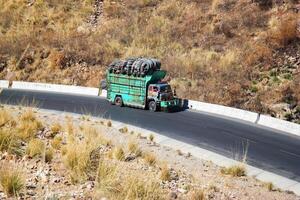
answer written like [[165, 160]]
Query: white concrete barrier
[[224, 111], [278, 124], [56, 88], [3, 84]]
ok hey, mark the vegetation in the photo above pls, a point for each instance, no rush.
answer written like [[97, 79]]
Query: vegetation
[[11, 179], [165, 174], [149, 158], [236, 170], [151, 137], [28, 125], [35, 148], [133, 148], [119, 153]]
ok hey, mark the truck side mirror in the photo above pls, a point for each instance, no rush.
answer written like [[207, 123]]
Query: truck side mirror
[[103, 84]]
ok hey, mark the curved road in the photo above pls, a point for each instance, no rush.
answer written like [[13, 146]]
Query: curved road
[[267, 149]]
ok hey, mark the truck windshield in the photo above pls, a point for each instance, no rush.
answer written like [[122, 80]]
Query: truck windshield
[[165, 89]]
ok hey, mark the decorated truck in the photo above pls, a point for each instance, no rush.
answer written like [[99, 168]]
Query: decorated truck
[[140, 88]]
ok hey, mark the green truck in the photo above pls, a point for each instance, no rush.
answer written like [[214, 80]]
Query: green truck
[[146, 92]]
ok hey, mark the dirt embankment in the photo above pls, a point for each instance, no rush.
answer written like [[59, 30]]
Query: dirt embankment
[[45, 154]]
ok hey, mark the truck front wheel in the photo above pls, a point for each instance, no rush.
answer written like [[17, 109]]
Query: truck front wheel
[[118, 101], [152, 106]]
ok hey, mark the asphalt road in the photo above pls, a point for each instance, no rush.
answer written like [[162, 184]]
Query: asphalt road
[[266, 149]]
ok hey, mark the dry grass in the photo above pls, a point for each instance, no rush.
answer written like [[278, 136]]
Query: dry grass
[[56, 128], [77, 153], [283, 30], [151, 137], [36, 148], [129, 187], [118, 153], [56, 142], [149, 158], [5, 117], [69, 127], [133, 148], [77, 161], [28, 125], [123, 130], [235, 171], [109, 124], [165, 174], [49, 155], [11, 179], [197, 195], [9, 142], [270, 186]]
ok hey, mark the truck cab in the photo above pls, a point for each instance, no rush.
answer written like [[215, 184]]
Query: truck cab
[[160, 96]]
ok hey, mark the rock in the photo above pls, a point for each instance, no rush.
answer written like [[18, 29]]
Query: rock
[[130, 157], [30, 193], [31, 186], [56, 180]]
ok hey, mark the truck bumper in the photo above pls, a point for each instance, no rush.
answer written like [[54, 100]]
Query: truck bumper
[[169, 106]]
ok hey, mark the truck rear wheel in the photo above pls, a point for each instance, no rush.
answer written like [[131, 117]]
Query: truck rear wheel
[[152, 106], [118, 101]]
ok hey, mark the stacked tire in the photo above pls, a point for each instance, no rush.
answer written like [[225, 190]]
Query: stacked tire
[[138, 67]]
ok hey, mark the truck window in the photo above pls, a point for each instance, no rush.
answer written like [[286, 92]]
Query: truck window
[[165, 88]]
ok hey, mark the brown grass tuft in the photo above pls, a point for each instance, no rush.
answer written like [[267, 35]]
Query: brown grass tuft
[[165, 174], [56, 128], [11, 179], [149, 158], [119, 153], [235, 171], [35, 148], [28, 125], [197, 195], [56, 142]]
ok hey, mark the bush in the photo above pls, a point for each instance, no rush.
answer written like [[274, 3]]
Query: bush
[[119, 153], [235, 171], [285, 30], [151, 137], [28, 125], [77, 161], [4, 117], [165, 174], [149, 158], [134, 149], [9, 142], [11, 180], [49, 155], [56, 142], [35, 148], [197, 195], [123, 130], [55, 128]]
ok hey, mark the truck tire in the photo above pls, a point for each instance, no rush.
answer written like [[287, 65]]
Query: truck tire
[[118, 101], [152, 106]]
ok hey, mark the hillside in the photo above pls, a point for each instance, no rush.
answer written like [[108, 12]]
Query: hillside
[[54, 155], [244, 53]]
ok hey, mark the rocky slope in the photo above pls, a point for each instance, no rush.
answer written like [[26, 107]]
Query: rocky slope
[[237, 53]]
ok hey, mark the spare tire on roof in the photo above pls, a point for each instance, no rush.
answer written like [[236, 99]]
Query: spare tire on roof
[[135, 66]]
